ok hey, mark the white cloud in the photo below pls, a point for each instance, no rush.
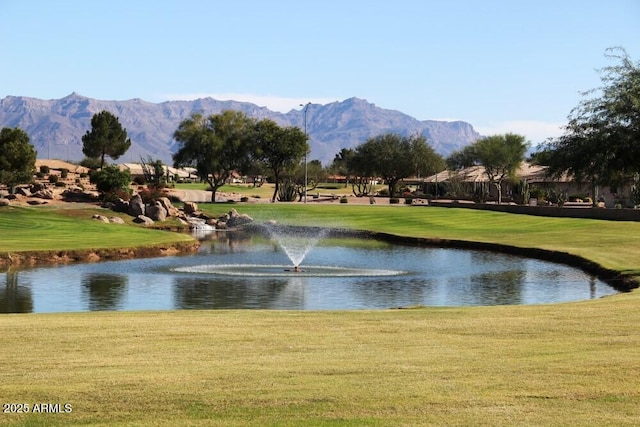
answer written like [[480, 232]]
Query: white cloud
[[536, 132], [274, 103]]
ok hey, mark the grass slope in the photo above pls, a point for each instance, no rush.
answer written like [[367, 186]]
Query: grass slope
[[614, 245], [564, 364], [38, 228]]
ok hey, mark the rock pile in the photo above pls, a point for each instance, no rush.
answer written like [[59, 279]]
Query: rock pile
[[162, 208]]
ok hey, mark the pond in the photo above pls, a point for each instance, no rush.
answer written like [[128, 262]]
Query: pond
[[236, 270]]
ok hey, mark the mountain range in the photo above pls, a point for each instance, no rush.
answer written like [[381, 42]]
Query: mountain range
[[55, 127]]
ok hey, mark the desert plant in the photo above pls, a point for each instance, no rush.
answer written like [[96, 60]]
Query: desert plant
[[287, 191]]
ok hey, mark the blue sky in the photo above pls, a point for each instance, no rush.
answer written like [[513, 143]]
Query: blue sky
[[503, 66]]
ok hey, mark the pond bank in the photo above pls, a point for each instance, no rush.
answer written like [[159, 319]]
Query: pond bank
[[44, 257]]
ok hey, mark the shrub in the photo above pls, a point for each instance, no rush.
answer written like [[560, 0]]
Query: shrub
[[44, 169], [408, 200], [344, 199], [53, 179], [244, 199], [40, 175], [394, 200], [111, 179], [64, 173], [60, 184]]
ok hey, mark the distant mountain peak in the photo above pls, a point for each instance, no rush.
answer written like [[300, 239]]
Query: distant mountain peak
[[55, 127]]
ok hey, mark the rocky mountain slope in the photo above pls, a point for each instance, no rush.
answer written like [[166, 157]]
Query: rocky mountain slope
[[56, 126]]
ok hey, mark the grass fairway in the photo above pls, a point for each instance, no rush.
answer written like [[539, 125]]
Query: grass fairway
[[564, 364], [614, 245], [569, 364], [54, 229]]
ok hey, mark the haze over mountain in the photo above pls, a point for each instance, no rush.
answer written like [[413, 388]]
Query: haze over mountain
[[56, 126]]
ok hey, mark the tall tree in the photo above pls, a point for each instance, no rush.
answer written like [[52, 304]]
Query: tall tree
[[17, 158], [426, 161], [500, 155], [279, 149], [106, 138], [340, 164], [216, 146], [601, 142], [395, 157]]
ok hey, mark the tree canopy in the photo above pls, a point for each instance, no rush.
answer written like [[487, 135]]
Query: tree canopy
[[394, 157], [601, 142], [216, 146], [500, 155], [279, 149], [106, 138], [17, 157]]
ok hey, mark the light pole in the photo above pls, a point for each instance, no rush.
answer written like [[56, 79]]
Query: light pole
[[306, 107]]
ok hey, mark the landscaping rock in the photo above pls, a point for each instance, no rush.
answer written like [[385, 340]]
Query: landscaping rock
[[190, 208], [145, 220], [44, 194], [116, 220], [136, 206], [156, 211], [4, 202], [172, 211], [101, 218]]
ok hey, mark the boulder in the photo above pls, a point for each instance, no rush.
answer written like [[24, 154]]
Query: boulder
[[4, 202], [101, 218], [37, 187], [116, 220], [145, 220], [156, 211], [23, 191], [168, 206], [190, 208], [238, 220], [121, 205], [136, 206], [44, 194]]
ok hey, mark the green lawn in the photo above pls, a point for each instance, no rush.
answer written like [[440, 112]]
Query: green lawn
[[49, 228], [614, 245], [562, 364]]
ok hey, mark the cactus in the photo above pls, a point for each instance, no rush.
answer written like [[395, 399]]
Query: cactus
[[523, 191], [287, 191]]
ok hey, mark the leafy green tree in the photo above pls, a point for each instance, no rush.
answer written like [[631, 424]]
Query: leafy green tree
[[279, 149], [340, 164], [106, 138], [500, 155], [601, 142], [395, 157], [315, 174], [17, 158], [216, 146], [361, 171], [426, 161]]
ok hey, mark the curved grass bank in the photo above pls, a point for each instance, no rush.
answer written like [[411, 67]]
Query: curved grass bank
[[44, 235], [610, 245], [563, 364]]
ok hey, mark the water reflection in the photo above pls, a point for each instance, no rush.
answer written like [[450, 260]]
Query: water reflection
[[104, 291], [196, 293], [15, 298], [430, 276]]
